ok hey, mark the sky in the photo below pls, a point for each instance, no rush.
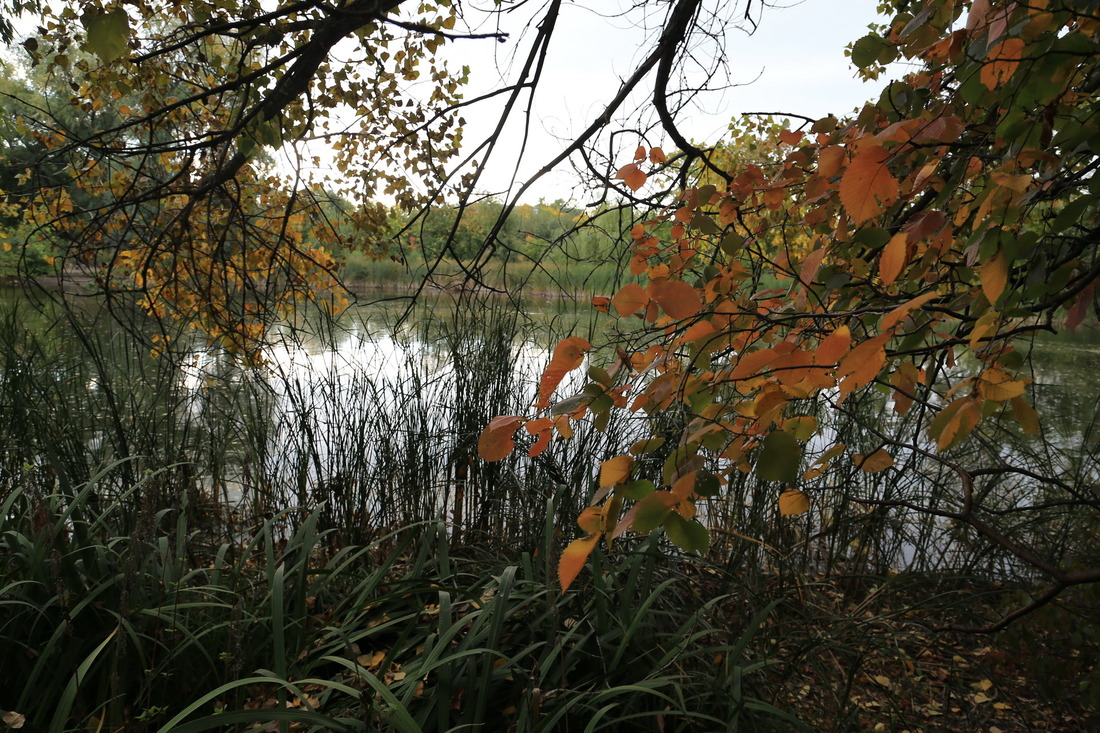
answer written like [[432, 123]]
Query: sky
[[793, 62]]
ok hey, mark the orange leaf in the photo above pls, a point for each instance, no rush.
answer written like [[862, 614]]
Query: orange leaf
[[601, 303], [568, 355], [1004, 58], [749, 365], [955, 422], [994, 276], [615, 470], [790, 137], [833, 347], [862, 364], [639, 154], [630, 299], [656, 155], [591, 520], [495, 442], [811, 265], [573, 558], [896, 316], [793, 502], [676, 298], [829, 161], [893, 258], [867, 187], [632, 175]]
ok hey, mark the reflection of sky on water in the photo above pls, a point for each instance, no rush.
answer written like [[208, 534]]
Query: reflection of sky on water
[[325, 383]]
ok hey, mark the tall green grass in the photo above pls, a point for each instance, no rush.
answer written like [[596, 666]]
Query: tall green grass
[[168, 629]]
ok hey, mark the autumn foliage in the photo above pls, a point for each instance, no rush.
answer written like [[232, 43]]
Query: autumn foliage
[[908, 249]]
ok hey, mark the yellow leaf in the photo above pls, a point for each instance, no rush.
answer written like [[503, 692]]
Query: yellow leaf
[[591, 519], [893, 259], [998, 386], [994, 274], [573, 558], [792, 502], [880, 460], [615, 470]]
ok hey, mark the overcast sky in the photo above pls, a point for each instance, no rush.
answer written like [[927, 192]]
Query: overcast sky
[[793, 62]]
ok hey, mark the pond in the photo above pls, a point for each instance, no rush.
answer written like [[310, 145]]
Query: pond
[[374, 418]]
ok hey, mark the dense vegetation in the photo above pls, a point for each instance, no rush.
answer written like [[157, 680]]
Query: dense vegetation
[[830, 468]]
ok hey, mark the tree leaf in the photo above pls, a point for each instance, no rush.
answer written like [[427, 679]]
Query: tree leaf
[[1004, 58], [833, 346], [994, 275], [568, 355], [495, 442], [997, 385], [867, 187], [630, 299], [107, 33], [793, 502], [878, 461], [616, 470], [779, 457], [676, 298], [650, 512], [893, 258], [862, 364], [633, 176], [687, 534], [573, 558]]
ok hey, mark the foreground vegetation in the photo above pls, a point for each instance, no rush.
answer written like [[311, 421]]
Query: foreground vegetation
[[187, 553]]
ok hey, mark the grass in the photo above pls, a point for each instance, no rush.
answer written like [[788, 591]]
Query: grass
[[162, 629]]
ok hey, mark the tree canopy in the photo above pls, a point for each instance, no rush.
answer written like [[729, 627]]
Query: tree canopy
[[909, 250]]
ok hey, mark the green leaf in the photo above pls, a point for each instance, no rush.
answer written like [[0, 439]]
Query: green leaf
[[650, 512], [779, 458], [107, 33], [687, 534], [639, 489], [866, 50]]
